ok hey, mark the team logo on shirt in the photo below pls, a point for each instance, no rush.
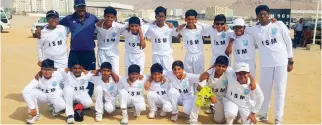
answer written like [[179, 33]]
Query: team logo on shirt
[[113, 34], [140, 86], [197, 35], [82, 81], [74, 21], [54, 84], [246, 91], [224, 82], [245, 42], [60, 35], [274, 31], [223, 35], [162, 86], [184, 84], [111, 88]]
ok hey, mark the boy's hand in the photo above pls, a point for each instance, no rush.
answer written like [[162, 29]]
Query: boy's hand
[[252, 82], [179, 28], [38, 75], [39, 63], [38, 33], [115, 77], [142, 44], [141, 77], [163, 79], [66, 70], [170, 25], [100, 23], [289, 68], [274, 20], [213, 99], [252, 118], [33, 112], [85, 72]]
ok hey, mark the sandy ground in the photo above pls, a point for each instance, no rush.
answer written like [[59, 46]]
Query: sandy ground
[[19, 58]]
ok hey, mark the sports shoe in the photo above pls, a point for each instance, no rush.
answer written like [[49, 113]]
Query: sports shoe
[[162, 113], [70, 119], [125, 120], [174, 117], [33, 119], [137, 114], [55, 114], [278, 122], [192, 123], [98, 117], [152, 115], [262, 117]]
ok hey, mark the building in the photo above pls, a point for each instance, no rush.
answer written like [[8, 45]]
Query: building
[[211, 12], [20, 6], [28, 6], [177, 12], [146, 14]]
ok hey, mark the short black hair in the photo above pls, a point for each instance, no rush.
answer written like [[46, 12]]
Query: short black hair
[[47, 63], [191, 12], [220, 17], [134, 69], [160, 9], [262, 7], [177, 63], [106, 65], [75, 62], [156, 67], [110, 10], [135, 20], [222, 60]]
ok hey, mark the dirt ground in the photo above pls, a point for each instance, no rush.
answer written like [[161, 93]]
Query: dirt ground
[[19, 58]]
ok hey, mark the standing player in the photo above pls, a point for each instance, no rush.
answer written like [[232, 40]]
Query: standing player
[[131, 92], [133, 49], [45, 89], [181, 89], [240, 99], [276, 59], [244, 46], [161, 39], [52, 44], [108, 38], [106, 91], [193, 43], [158, 92]]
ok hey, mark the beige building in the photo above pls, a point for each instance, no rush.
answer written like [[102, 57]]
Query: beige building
[[211, 12], [146, 14]]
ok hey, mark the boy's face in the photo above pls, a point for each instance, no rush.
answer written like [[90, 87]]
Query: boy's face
[[242, 76], [160, 18], [47, 72], [157, 76], [109, 18], [177, 71], [77, 70], [220, 25], [80, 10], [220, 68], [263, 16], [134, 28], [53, 21], [106, 72], [239, 30], [134, 76], [191, 20]]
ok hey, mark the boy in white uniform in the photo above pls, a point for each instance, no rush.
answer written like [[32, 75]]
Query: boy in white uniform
[[106, 91], [131, 92], [192, 36], [134, 45], [158, 92], [181, 89], [244, 46], [108, 38], [240, 99], [52, 44], [276, 59], [46, 89], [161, 39]]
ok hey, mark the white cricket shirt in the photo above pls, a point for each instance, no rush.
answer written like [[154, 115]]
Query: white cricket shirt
[[244, 48], [110, 89], [134, 90], [108, 39], [192, 39]]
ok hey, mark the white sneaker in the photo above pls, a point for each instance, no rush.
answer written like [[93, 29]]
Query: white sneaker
[[174, 117], [125, 120], [54, 113], [192, 123], [262, 117], [162, 113], [33, 119], [98, 117], [50, 107], [278, 122], [152, 115], [137, 114], [70, 119]]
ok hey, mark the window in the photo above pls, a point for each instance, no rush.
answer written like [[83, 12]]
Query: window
[[2, 14]]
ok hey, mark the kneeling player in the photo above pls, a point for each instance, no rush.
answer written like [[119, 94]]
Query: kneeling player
[[158, 91], [240, 99], [131, 92], [46, 89]]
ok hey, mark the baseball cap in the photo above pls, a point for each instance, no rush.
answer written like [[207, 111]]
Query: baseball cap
[[52, 13], [239, 22], [242, 67], [79, 3]]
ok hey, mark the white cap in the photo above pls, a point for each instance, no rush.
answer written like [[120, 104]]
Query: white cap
[[239, 22], [242, 67]]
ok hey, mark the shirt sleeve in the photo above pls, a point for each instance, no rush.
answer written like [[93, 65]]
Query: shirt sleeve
[[40, 44], [287, 39], [194, 78], [175, 33], [88, 76], [206, 28], [26, 92], [64, 21], [258, 97]]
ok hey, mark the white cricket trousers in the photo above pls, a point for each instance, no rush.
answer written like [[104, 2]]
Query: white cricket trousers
[[56, 98], [194, 63], [134, 58], [278, 76], [111, 56], [103, 102], [62, 62], [231, 110], [80, 96], [155, 100], [126, 100], [165, 61], [218, 116], [214, 57], [252, 66], [177, 99]]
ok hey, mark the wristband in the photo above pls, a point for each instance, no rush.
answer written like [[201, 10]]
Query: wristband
[[291, 62]]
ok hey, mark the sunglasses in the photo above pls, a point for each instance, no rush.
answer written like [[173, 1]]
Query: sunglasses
[[220, 23]]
